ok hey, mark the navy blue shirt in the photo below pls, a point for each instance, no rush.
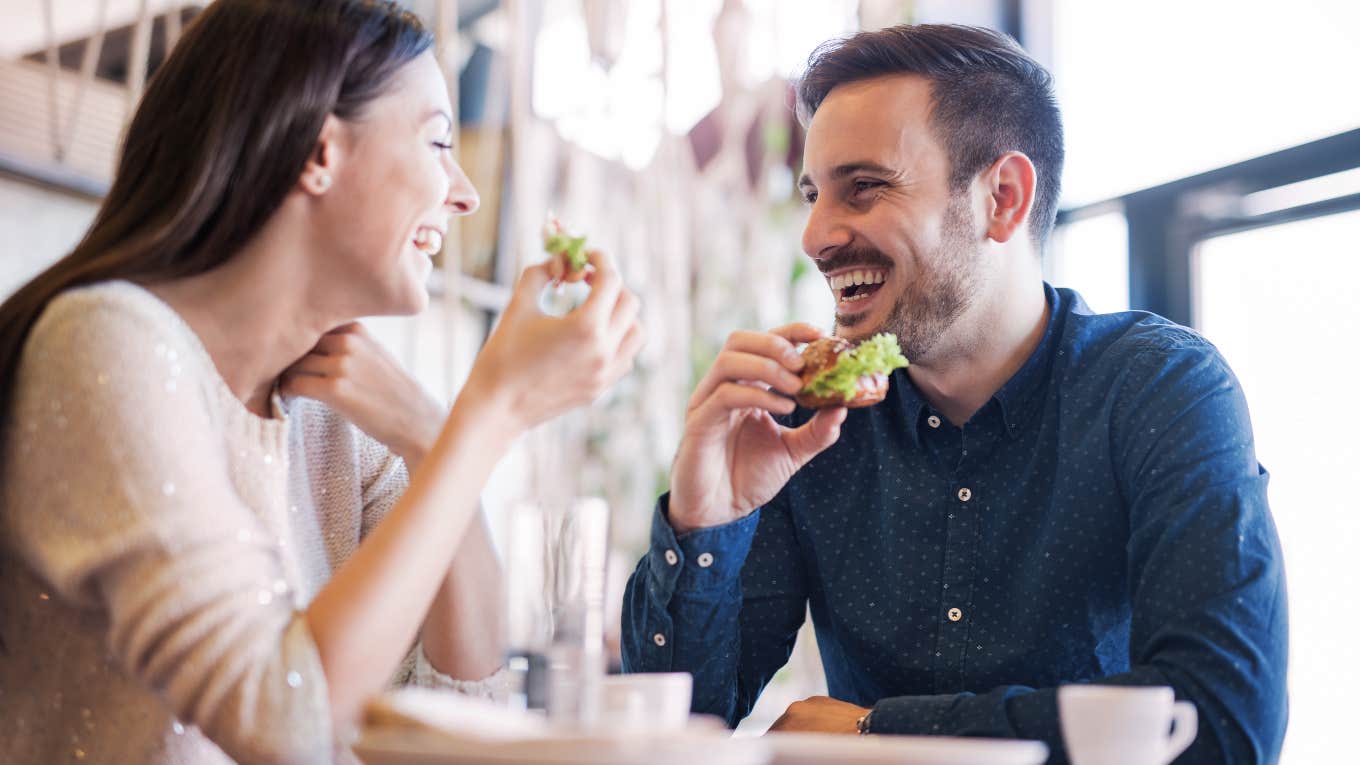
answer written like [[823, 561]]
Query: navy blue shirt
[[1102, 518]]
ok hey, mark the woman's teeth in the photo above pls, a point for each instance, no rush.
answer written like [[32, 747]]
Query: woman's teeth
[[429, 241]]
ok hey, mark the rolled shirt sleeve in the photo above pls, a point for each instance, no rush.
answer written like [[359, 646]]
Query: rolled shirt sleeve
[[720, 603]]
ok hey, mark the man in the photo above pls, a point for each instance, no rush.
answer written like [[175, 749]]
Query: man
[[1047, 495]]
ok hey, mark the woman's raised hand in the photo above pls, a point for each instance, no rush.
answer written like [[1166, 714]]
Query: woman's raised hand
[[535, 366]]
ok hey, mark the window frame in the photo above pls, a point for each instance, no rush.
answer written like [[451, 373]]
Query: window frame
[[1167, 222]]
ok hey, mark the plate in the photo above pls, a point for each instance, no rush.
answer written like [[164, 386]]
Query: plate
[[821, 748]]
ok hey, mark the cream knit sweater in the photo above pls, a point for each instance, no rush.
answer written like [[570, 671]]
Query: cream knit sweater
[[160, 545]]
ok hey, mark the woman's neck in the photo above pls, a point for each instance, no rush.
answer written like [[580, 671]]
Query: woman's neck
[[251, 315]]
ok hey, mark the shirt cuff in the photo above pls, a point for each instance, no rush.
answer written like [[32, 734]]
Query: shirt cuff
[[911, 715], [704, 559]]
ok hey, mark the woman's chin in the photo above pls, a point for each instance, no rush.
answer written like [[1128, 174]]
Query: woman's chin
[[407, 299], [415, 301], [415, 297]]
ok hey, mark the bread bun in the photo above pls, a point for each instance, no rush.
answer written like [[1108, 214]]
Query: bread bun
[[821, 355]]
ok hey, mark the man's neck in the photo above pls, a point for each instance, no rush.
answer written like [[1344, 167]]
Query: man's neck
[[993, 342]]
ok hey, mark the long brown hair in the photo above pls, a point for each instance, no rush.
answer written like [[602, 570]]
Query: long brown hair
[[225, 128]]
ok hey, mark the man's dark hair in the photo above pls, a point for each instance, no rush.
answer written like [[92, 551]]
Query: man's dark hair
[[989, 98]]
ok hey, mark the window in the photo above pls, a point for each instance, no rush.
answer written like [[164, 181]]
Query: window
[[1091, 255], [1280, 303], [1161, 89]]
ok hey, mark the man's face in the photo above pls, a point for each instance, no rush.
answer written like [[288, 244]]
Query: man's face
[[877, 182]]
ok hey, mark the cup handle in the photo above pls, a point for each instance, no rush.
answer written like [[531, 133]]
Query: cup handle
[[1186, 727]]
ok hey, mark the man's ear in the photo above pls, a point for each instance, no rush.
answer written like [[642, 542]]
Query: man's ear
[[318, 175], [1010, 184]]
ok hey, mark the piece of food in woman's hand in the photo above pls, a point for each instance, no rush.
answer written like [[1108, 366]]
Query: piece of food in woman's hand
[[838, 373], [569, 250]]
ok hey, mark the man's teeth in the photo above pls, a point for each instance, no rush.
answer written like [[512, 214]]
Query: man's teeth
[[429, 241], [841, 281]]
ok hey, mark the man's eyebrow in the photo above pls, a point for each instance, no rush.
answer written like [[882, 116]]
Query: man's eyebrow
[[850, 168]]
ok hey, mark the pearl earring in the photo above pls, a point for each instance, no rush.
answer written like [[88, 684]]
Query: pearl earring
[[323, 181]]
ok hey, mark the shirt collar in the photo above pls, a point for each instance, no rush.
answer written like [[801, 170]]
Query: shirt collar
[[1021, 397], [910, 401]]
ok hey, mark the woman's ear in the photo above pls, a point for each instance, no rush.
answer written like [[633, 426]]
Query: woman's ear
[[318, 175], [1010, 183]]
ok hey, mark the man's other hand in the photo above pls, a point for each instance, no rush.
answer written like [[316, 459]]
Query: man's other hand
[[820, 714]]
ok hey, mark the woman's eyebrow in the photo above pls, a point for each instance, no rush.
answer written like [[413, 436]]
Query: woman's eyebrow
[[448, 118]]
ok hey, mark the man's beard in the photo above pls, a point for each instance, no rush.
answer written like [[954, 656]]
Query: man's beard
[[943, 288]]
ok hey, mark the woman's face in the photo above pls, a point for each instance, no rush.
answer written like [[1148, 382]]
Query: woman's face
[[395, 187]]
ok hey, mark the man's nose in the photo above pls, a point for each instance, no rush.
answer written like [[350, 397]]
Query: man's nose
[[824, 232]]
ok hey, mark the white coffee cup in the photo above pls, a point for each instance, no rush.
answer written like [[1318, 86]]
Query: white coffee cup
[[648, 702], [1124, 725]]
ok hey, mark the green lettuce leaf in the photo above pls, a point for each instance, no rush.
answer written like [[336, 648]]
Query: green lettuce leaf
[[879, 354], [573, 246]]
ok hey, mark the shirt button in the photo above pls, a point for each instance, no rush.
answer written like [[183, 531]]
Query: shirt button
[[965, 494], [705, 560], [672, 558], [933, 421], [954, 615], [659, 639]]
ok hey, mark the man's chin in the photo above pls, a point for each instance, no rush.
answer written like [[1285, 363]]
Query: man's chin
[[856, 327]]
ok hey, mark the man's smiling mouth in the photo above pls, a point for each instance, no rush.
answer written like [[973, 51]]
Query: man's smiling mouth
[[856, 284]]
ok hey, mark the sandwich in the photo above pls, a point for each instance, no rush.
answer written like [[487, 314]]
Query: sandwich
[[839, 373], [568, 250]]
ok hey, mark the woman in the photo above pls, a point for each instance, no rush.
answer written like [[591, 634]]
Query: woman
[[213, 552]]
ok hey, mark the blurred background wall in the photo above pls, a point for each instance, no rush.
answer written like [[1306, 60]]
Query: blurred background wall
[[1211, 176]]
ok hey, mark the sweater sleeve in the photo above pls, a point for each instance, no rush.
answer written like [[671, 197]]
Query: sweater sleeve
[[384, 480], [120, 497]]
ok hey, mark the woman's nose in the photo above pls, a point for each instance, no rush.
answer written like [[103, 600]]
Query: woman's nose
[[463, 198]]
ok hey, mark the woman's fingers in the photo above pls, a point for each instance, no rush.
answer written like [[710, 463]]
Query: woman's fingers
[[350, 328], [530, 285], [605, 285], [623, 317], [335, 343], [629, 346], [306, 385], [557, 268], [316, 365]]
